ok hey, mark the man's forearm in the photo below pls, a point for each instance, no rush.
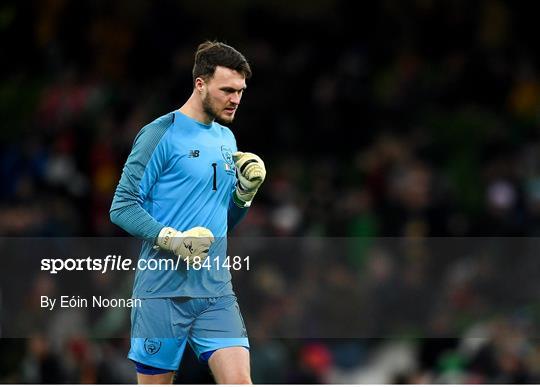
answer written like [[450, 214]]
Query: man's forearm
[[235, 214], [136, 221]]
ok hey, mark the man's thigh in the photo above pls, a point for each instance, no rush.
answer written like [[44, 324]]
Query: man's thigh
[[230, 365], [166, 378]]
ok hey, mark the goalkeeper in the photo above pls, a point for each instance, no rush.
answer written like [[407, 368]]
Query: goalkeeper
[[183, 186]]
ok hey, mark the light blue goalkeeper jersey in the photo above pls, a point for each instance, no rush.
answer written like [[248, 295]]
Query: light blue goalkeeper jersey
[[180, 173]]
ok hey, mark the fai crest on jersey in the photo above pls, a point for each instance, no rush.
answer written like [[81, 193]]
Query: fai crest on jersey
[[227, 155], [229, 162], [152, 346]]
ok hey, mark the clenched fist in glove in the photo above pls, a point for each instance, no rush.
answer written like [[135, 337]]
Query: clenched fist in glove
[[194, 242], [251, 172]]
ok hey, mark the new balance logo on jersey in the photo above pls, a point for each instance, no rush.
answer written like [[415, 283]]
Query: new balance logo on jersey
[[193, 153]]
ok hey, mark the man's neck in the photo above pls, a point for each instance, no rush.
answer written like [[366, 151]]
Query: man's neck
[[193, 109]]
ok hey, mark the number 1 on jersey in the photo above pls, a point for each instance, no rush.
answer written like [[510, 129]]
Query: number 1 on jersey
[[214, 181]]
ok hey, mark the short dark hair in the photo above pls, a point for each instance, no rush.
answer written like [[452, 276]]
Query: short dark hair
[[211, 54]]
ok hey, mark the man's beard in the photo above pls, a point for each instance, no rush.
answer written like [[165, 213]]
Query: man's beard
[[211, 111]]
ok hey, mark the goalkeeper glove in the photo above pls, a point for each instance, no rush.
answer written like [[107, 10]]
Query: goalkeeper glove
[[251, 172], [194, 242]]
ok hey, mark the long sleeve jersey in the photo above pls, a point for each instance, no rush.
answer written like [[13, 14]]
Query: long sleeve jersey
[[180, 173]]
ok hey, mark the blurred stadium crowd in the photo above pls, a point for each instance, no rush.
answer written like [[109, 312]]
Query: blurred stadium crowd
[[393, 118]]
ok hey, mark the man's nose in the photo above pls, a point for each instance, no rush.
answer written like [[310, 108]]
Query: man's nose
[[235, 98]]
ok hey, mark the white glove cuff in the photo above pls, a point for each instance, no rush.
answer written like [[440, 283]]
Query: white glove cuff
[[243, 199], [165, 238]]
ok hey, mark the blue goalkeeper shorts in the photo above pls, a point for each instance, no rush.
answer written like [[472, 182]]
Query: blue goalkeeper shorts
[[161, 327]]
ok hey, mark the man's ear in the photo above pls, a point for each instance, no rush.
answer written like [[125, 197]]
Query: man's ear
[[199, 84]]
